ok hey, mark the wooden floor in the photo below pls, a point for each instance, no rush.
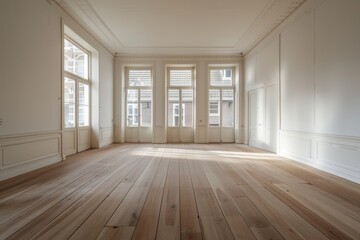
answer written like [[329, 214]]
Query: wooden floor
[[177, 191]]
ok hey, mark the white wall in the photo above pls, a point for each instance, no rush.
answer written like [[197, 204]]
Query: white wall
[[106, 98], [159, 63], [261, 89], [319, 78], [31, 80]]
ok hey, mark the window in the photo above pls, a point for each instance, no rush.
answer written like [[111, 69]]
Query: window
[[180, 77], [132, 114], [221, 97], [226, 74], [139, 77], [214, 109], [221, 77], [69, 102], [176, 114], [139, 97], [76, 86], [180, 93], [76, 61]]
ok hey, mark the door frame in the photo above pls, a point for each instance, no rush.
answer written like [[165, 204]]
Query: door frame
[[138, 129], [220, 88], [180, 133], [76, 131]]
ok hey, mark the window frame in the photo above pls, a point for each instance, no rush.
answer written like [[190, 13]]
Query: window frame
[[180, 88], [127, 70], [77, 79], [220, 88]]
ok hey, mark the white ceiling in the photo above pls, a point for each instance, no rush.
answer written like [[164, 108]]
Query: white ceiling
[[179, 27]]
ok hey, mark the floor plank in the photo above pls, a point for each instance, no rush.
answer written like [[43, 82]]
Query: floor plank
[[179, 191]]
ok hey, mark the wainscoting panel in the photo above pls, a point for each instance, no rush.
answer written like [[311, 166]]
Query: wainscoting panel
[[23, 153], [335, 154], [106, 136], [295, 144]]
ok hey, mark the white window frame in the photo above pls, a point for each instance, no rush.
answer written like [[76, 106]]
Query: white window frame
[[180, 88], [138, 88], [78, 79], [220, 88]]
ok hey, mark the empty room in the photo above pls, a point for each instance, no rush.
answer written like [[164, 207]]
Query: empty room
[[193, 119]]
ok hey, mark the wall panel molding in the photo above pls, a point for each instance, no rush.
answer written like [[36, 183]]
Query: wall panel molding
[[24, 153], [106, 136], [338, 155]]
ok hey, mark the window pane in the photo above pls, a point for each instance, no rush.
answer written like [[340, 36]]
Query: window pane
[[227, 108], [173, 108], [84, 94], [69, 115], [83, 115], [69, 90], [221, 77], [132, 108], [76, 61], [139, 77], [146, 101], [214, 107], [187, 108], [181, 77]]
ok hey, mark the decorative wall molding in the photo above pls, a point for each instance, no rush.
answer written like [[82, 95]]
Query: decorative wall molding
[[106, 136], [24, 153], [338, 155]]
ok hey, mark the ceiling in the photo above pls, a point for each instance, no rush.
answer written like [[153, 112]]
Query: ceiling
[[179, 27]]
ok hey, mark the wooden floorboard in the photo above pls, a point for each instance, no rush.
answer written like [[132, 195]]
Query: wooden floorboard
[[179, 191]]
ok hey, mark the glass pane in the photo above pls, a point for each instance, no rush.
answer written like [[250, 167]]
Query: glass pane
[[139, 77], [181, 77], [84, 97], [187, 108], [221, 77], [145, 102], [76, 61], [69, 115], [69, 90], [214, 107], [83, 115], [173, 108], [132, 108], [227, 107]]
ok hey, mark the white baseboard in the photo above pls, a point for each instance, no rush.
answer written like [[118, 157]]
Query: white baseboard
[[334, 154]]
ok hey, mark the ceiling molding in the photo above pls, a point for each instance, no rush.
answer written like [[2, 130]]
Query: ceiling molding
[[267, 19], [84, 14]]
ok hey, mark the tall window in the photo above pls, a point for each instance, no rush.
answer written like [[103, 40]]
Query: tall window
[[221, 97], [139, 97], [76, 86], [180, 93]]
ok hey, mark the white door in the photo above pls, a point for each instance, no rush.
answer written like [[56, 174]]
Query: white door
[[180, 105], [256, 118], [76, 134], [138, 105], [221, 107], [76, 99], [263, 117]]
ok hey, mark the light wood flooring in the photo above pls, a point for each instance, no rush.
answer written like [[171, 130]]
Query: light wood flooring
[[179, 191]]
